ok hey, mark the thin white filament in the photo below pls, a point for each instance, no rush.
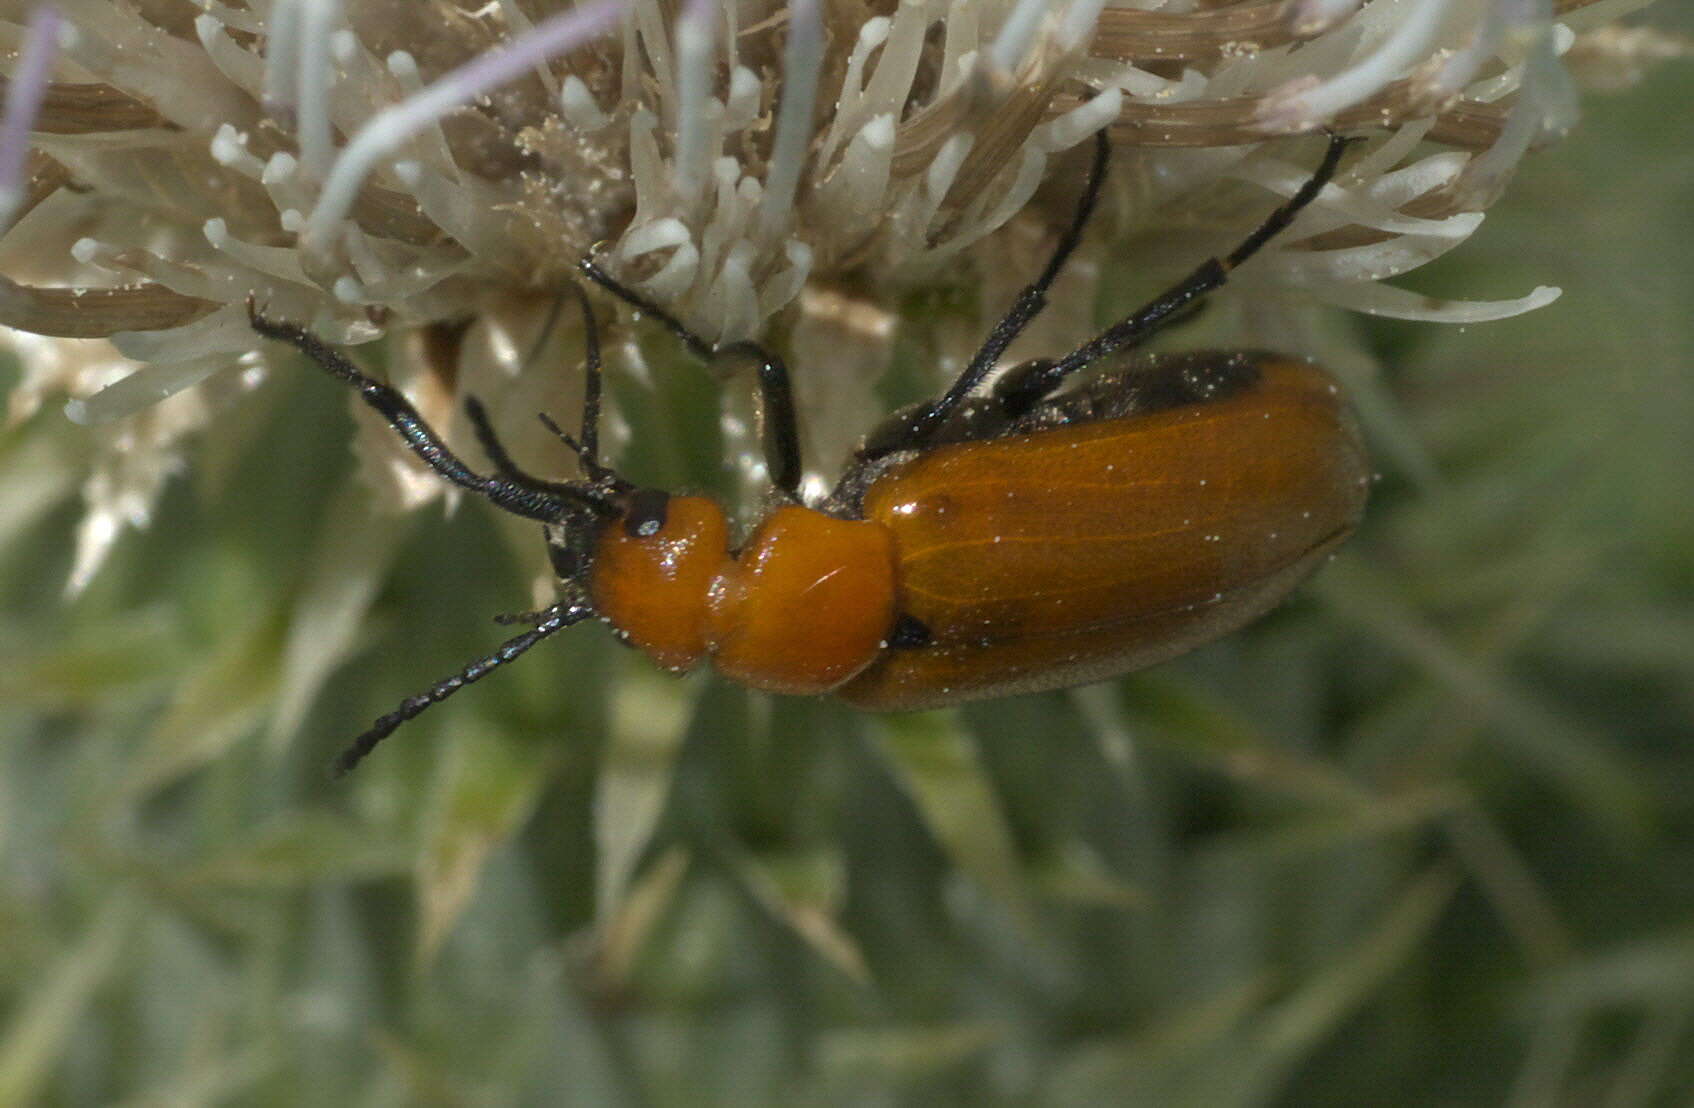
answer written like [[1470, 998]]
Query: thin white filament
[[23, 103], [1079, 22], [802, 64], [1412, 40], [317, 21], [392, 126], [693, 63], [1016, 35], [282, 48]]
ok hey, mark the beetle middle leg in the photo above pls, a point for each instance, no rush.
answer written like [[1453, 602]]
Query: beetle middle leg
[[776, 390], [489, 440]]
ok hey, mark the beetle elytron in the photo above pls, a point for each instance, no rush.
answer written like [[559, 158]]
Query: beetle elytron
[[978, 545]]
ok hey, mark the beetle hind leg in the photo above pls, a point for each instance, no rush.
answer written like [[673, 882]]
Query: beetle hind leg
[[1185, 297], [927, 420]]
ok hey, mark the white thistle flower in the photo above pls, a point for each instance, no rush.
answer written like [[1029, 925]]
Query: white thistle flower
[[408, 167]]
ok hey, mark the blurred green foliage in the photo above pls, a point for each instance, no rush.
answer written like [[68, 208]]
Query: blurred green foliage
[[1423, 836]]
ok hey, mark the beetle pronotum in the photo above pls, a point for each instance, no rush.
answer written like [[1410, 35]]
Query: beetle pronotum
[[978, 545]]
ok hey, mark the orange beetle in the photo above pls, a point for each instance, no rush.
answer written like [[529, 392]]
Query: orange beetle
[[978, 545]]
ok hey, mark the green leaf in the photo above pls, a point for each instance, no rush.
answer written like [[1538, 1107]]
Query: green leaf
[[1580, 763], [39, 1032], [1291, 1029], [649, 715], [804, 892], [297, 850], [218, 700], [934, 763], [351, 560], [485, 789]]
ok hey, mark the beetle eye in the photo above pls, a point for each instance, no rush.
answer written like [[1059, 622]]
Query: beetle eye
[[646, 514]]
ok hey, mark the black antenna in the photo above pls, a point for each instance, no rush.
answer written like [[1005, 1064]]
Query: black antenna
[[551, 620]]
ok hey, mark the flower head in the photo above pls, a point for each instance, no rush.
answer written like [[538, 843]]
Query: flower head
[[429, 169]]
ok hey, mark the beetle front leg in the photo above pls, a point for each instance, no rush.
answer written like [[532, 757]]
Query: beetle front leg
[[776, 389]]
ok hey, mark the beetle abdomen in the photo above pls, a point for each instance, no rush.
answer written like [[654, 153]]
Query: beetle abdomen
[[1097, 547]]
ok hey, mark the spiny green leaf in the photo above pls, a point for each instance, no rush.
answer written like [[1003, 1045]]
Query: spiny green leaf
[[219, 700], [486, 788], [650, 712], [804, 893], [296, 850], [934, 763], [37, 1035], [348, 565]]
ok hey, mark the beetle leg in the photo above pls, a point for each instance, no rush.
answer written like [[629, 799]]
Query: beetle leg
[[1278, 221], [1184, 296], [554, 309], [491, 445], [550, 621], [547, 502], [776, 391], [1027, 306], [587, 448], [508, 619], [490, 441], [601, 477], [589, 445], [776, 405]]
